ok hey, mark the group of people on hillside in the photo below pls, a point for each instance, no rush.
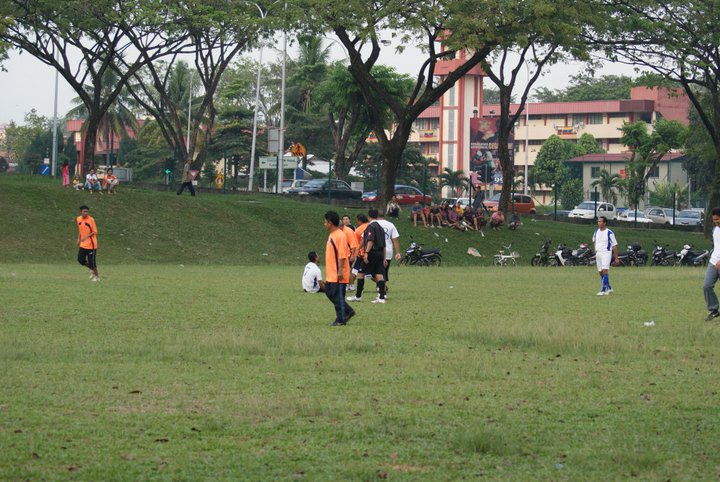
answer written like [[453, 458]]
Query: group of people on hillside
[[92, 182], [458, 217], [352, 254]]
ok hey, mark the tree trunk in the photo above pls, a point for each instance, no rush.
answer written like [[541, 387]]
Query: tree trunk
[[392, 150], [88, 161]]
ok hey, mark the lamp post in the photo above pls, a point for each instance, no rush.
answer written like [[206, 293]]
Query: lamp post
[[527, 133], [281, 141], [55, 126], [255, 114]]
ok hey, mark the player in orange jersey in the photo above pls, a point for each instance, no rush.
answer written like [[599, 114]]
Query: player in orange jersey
[[87, 241]]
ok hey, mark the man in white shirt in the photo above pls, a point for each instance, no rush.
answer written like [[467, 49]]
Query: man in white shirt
[[312, 277], [713, 269], [605, 248], [92, 182], [391, 244]]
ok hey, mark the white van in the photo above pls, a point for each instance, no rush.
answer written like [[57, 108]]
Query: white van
[[586, 210]]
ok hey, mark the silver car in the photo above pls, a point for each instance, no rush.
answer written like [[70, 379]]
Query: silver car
[[660, 215], [689, 218]]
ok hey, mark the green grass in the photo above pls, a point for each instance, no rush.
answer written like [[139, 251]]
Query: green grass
[[146, 227], [207, 372], [198, 357]]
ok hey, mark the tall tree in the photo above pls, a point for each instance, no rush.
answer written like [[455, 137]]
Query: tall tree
[[678, 39], [359, 26], [608, 184], [455, 180], [83, 40], [216, 33], [552, 32], [118, 117], [584, 87]]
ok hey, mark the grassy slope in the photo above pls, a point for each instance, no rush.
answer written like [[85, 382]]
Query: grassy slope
[[142, 226]]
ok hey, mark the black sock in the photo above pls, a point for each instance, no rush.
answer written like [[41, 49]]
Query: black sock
[[359, 286], [381, 287]]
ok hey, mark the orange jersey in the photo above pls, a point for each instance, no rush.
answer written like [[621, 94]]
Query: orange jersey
[[358, 235], [337, 255], [86, 226], [351, 239]]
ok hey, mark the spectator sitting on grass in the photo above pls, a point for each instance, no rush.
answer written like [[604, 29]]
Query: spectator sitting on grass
[[469, 218], [417, 212], [497, 219], [393, 208], [110, 181], [92, 182], [76, 184], [454, 220], [480, 218], [435, 216]]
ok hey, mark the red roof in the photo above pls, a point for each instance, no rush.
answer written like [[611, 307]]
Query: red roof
[[620, 157], [585, 107]]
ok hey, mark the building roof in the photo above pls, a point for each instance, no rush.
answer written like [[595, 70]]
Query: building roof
[[584, 107], [620, 157]]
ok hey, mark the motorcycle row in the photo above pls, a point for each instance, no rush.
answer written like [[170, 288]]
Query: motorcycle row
[[635, 255]]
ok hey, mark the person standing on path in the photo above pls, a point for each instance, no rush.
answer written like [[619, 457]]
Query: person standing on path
[[186, 179], [713, 270], [87, 242], [605, 249]]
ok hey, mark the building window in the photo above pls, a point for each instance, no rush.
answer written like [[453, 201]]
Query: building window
[[654, 172], [451, 157], [595, 172], [617, 115], [595, 118], [451, 126], [451, 97], [578, 119]]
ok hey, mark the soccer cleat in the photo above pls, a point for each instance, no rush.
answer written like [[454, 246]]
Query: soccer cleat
[[378, 300], [350, 315], [603, 293], [92, 275], [351, 287], [337, 323], [610, 290], [712, 315], [353, 298], [95, 278]]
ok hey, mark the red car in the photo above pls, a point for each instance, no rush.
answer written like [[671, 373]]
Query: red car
[[523, 204], [405, 195]]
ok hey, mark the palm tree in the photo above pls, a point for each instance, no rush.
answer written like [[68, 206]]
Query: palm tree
[[455, 180], [607, 183], [308, 70], [118, 118]]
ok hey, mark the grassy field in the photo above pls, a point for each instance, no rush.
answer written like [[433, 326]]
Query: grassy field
[[198, 357], [171, 372]]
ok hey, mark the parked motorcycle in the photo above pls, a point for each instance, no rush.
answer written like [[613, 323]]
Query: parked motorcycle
[[634, 256], [584, 255], [416, 255], [563, 256], [661, 256], [542, 257], [689, 257]]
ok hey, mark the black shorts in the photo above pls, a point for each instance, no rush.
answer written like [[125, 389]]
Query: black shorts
[[86, 257], [358, 265], [376, 264]]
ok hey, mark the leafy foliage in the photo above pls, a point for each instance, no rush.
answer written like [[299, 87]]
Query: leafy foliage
[[571, 193]]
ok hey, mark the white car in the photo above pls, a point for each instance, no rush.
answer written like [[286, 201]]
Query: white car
[[629, 216], [586, 210], [292, 184]]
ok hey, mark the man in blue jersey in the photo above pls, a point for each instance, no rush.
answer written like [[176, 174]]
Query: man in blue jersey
[[605, 249], [713, 270]]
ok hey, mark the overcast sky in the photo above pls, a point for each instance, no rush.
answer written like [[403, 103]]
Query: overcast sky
[[28, 83]]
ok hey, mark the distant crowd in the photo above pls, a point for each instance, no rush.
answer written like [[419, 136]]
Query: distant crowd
[[454, 216], [92, 183]]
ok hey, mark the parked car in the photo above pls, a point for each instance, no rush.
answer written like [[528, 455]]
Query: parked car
[[689, 217], [288, 184], [405, 195], [629, 216], [320, 188], [523, 204], [660, 215], [561, 213], [586, 210]]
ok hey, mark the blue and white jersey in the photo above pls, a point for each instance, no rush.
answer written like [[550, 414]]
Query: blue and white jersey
[[604, 240], [311, 277], [715, 256]]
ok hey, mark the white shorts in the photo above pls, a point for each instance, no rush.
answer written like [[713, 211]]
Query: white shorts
[[602, 259]]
